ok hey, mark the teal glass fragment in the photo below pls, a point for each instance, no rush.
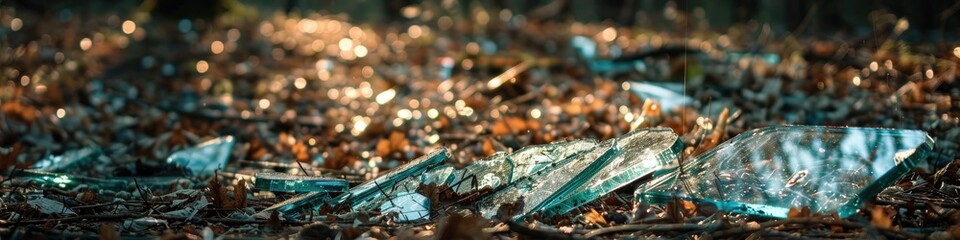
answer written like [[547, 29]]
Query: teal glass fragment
[[65, 181], [765, 172], [282, 182], [408, 206], [205, 158], [69, 181], [566, 184], [71, 160], [361, 196]]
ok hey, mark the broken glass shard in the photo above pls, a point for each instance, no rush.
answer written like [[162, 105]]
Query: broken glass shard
[[69, 181], [362, 195], [282, 182], [642, 154], [65, 181], [70, 160], [409, 207], [488, 172], [538, 188], [532, 159], [205, 158], [565, 184], [669, 95], [765, 172]]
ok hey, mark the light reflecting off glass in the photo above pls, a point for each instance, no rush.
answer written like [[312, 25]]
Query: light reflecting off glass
[[765, 172]]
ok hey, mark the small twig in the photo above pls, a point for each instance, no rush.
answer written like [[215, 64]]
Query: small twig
[[649, 227], [535, 233]]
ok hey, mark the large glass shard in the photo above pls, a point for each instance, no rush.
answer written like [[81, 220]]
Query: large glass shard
[[282, 182], [69, 181], [584, 177], [765, 172], [641, 154], [500, 168], [70, 160], [409, 207], [205, 158], [532, 159], [362, 195], [541, 187]]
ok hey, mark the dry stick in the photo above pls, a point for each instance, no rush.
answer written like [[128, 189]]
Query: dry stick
[[746, 229], [537, 234], [145, 200], [108, 217], [649, 227]]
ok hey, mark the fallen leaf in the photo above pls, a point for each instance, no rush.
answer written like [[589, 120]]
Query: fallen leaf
[[240, 194], [458, 226], [595, 217], [109, 232], [273, 222], [881, 216], [798, 213]]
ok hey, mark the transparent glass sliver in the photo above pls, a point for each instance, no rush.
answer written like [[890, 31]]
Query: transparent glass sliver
[[70, 160], [205, 158], [361, 196], [409, 207], [641, 154], [282, 182], [564, 185], [765, 172]]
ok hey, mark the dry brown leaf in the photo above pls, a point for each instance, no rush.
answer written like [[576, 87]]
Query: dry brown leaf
[[954, 231], [488, 147], [16, 110], [89, 196], [109, 232], [257, 149], [274, 221], [881, 217], [240, 194], [462, 227], [300, 152], [219, 194], [383, 147], [798, 213], [595, 217]]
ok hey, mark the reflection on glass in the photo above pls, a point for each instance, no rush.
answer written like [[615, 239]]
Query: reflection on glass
[[409, 207], [205, 158], [71, 160], [282, 182], [765, 172], [362, 195], [583, 177]]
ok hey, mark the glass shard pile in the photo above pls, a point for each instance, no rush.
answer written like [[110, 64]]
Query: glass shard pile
[[205, 158], [580, 178], [282, 182], [362, 195], [765, 172]]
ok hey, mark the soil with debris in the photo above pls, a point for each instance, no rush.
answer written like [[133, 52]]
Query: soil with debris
[[318, 95]]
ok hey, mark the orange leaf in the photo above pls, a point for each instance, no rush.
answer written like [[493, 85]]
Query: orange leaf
[[595, 217], [881, 217]]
